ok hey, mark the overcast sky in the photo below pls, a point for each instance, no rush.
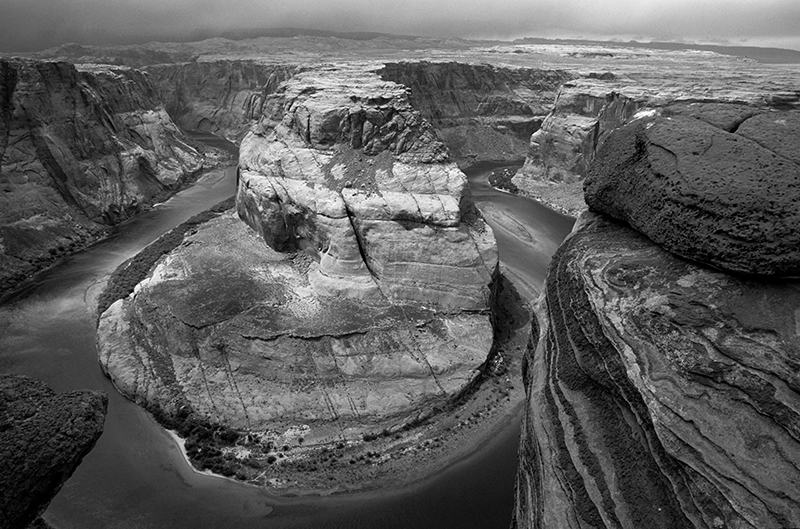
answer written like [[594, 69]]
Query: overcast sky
[[35, 24]]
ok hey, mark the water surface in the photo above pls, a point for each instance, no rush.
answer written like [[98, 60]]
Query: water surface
[[136, 477]]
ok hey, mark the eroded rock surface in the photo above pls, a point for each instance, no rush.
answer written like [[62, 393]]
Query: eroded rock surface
[[238, 332], [582, 116], [345, 168], [662, 393], [43, 438], [221, 96], [354, 298], [728, 199], [81, 148], [480, 110], [588, 109]]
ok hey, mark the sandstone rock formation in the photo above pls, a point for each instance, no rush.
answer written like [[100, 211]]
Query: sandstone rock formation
[[81, 149], [222, 97], [43, 438], [664, 392], [367, 308], [589, 109], [583, 115], [728, 199], [480, 109]]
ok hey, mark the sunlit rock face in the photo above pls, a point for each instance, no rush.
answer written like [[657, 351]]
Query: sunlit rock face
[[480, 109], [342, 166], [81, 148], [355, 297], [222, 97], [663, 391]]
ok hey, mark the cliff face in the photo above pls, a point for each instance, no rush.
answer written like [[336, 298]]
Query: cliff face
[[354, 298], [81, 149], [480, 110], [222, 97], [562, 149], [663, 392], [589, 109], [43, 438]]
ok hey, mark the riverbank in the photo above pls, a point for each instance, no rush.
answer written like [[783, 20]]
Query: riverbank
[[16, 273], [564, 198]]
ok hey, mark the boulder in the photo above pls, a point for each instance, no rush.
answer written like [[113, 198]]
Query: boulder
[[726, 199], [44, 436]]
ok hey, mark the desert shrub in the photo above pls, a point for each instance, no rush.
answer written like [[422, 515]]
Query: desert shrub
[[130, 273]]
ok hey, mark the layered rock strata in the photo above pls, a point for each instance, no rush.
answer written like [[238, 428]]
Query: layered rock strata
[[43, 438], [354, 298], [222, 97], [81, 148], [565, 145], [480, 110], [664, 392]]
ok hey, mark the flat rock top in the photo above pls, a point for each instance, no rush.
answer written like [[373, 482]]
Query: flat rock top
[[236, 331], [226, 274], [727, 199], [43, 438]]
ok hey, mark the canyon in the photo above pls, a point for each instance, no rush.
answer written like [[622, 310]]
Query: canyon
[[353, 291], [82, 149]]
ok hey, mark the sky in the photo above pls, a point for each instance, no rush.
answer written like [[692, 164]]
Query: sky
[[29, 25]]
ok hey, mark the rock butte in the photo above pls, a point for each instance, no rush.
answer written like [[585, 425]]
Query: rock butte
[[369, 305]]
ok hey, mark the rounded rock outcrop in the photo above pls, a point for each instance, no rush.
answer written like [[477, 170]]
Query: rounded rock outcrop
[[725, 199]]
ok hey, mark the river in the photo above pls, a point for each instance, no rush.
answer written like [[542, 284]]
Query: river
[[136, 476]]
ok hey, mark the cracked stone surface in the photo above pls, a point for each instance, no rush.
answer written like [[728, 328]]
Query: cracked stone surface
[[661, 394], [342, 166], [237, 331], [350, 292], [726, 199]]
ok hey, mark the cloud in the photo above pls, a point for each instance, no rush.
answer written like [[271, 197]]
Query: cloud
[[26, 24]]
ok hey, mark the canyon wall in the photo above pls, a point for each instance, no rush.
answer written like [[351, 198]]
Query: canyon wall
[[587, 110], [222, 97], [481, 111], [664, 391], [81, 149]]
